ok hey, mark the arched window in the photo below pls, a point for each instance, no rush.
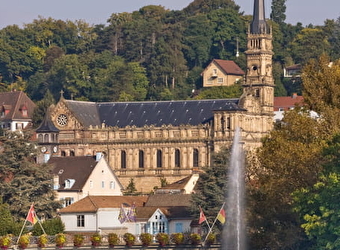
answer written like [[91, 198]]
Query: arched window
[[159, 158], [123, 159], [46, 138], [63, 153], [40, 138], [177, 158], [195, 157], [72, 153], [141, 159]]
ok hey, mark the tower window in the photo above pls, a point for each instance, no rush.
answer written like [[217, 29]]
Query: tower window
[[177, 158], [159, 158], [195, 158], [123, 159], [141, 159]]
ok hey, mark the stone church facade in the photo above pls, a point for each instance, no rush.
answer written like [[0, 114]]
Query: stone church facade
[[150, 141]]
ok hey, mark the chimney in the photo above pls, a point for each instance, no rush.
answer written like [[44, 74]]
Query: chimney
[[294, 95]]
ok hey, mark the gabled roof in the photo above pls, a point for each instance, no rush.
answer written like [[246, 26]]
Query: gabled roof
[[170, 212], [90, 204], [158, 113], [14, 101], [70, 168], [229, 67], [169, 200], [180, 185], [47, 125], [287, 102]]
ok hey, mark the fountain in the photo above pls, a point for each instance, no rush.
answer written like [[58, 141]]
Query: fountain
[[234, 234]]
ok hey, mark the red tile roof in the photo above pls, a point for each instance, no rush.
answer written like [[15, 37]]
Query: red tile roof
[[287, 102], [229, 67], [91, 204]]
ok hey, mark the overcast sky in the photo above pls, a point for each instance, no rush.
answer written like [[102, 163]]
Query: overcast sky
[[98, 11]]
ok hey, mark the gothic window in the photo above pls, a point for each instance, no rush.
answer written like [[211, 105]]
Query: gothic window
[[228, 123], [223, 125], [177, 158], [141, 159], [63, 153], [257, 93], [40, 138], [159, 158], [195, 158], [72, 153], [123, 159]]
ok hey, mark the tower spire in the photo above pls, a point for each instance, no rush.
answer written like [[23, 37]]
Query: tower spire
[[259, 24]]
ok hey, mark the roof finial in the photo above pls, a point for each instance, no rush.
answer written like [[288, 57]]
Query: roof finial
[[61, 94]]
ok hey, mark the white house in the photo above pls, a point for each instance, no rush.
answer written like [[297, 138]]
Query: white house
[[168, 213], [76, 177]]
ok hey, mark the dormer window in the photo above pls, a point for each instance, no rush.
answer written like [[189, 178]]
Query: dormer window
[[69, 183], [23, 110]]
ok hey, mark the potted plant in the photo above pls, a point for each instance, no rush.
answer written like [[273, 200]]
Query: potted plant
[[60, 240], [146, 239], [113, 239], [129, 239], [42, 240], [5, 241], [162, 239], [78, 240], [96, 239], [210, 239], [177, 238], [195, 239], [23, 241]]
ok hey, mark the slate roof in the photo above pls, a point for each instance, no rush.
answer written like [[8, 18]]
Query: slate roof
[[15, 101], [47, 125], [229, 67], [70, 167], [158, 113], [91, 204]]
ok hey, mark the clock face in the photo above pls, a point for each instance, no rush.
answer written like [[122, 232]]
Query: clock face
[[55, 149], [43, 149], [62, 120]]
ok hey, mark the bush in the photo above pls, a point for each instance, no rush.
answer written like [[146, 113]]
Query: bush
[[129, 239], [162, 238], [195, 239], [60, 240], [113, 239], [146, 239], [42, 240], [177, 238], [96, 239], [24, 240], [78, 240], [5, 241], [52, 227]]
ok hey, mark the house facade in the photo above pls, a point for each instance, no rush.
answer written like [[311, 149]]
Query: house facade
[[222, 73], [75, 177], [151, 141], [154, 214], [16, 110]]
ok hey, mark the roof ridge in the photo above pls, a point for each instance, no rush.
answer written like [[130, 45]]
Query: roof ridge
[[93, 203]]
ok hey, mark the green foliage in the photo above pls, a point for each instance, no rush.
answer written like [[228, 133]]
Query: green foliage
[[220, 92], [129, 239], [96, 239], [278, 13], [212, 186], [51, 227], [113, 239], [162, 239], [6, 222], [131, 188], [23, 181]]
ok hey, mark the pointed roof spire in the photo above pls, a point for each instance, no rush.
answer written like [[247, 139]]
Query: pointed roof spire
[[259, 24]]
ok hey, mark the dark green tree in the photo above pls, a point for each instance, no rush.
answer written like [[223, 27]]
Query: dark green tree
[[22, 181], [41, 109], [278, 13], [51, 226], [130, 188]]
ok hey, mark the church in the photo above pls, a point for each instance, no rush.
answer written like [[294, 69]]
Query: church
[[153, 141]]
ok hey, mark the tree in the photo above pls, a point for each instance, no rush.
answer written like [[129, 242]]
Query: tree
[[131, 188], [321, 88], [318, 206], [278, 13], [41, 109], [212, 186], [22, 181], [288, 160]]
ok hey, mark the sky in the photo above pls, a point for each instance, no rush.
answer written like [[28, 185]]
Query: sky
[[98, 11]]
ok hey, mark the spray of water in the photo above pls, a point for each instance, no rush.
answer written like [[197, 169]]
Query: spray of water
[[234, 236]]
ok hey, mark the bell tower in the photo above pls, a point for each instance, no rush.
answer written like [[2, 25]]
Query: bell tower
[[259, 83]]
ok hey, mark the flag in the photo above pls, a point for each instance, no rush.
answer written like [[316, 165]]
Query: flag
[[31, 216], [221, 215], [131, 215], [122, 217], [202, 217]]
